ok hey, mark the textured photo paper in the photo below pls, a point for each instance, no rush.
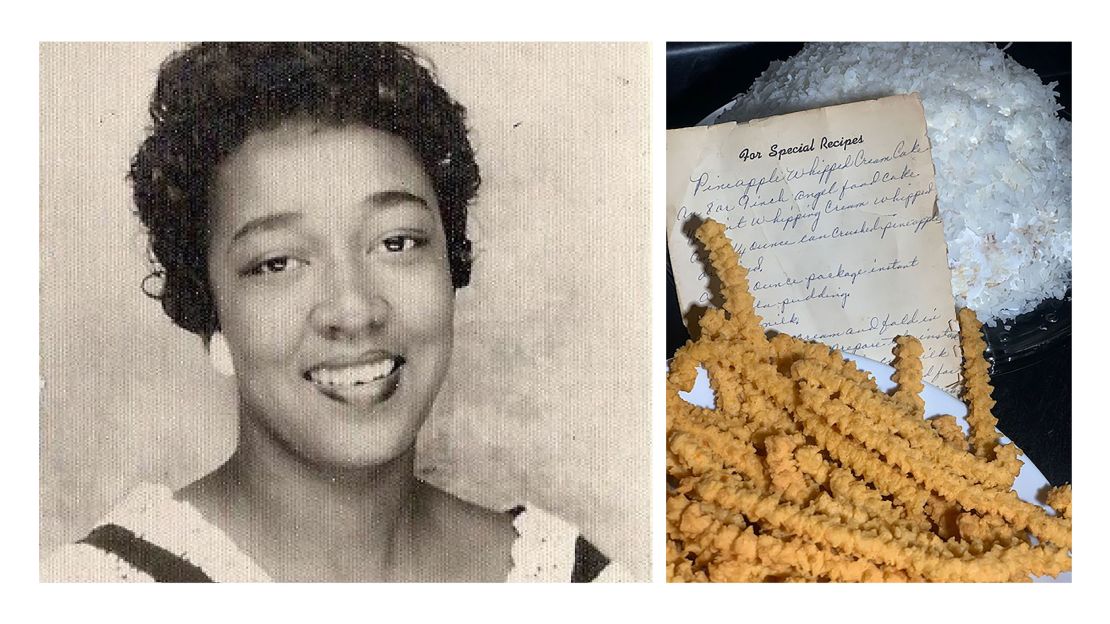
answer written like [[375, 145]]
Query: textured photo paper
[[545, 403]]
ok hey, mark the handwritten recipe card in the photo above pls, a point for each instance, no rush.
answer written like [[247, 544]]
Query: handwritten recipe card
[[833, 213]]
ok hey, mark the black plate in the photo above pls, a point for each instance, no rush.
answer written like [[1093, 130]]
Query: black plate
[[1018, 343]]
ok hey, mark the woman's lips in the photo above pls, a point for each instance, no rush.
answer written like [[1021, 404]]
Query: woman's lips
[[353, 374], [363, 383]]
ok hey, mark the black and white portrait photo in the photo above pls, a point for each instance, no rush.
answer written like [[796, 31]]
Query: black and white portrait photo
[[345, 312]]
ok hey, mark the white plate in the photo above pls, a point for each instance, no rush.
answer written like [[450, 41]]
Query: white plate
[[1029, 481], [711, 119]]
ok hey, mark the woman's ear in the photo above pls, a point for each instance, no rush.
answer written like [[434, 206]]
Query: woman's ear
[[219, 354]]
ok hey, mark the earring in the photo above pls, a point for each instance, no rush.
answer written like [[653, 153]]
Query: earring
[[220, 355]]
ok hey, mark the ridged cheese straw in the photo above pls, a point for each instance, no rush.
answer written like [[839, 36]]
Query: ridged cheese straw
[[743, 556], [786, 476], [739, 303], [888, 413], [949, 430], [680, 569], [936, 478], [805, 470], [1059, 498], [908, 373], [985, 531], [788, 349], [983, 425], [997, 565], [710, 451]]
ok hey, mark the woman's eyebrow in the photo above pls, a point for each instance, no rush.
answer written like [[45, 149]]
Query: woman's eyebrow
[[385, 199], [266, 223]]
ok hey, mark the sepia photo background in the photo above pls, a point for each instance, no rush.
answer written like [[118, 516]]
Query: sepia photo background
[[548, 398]]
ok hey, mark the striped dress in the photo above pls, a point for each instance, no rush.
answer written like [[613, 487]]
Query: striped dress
[[151, 537]]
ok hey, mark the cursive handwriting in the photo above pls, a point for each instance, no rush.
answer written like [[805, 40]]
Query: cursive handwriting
[[751, 185], [854, 272], [938, 372], [909, 319], [747, 201], [813, 295], [783, 320], [907, 198], [789, 222], [786, 281]]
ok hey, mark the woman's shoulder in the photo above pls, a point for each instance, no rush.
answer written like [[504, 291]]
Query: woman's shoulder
[[548, 548], [150, 536], [114, 550], [84, 563], [534, 544]]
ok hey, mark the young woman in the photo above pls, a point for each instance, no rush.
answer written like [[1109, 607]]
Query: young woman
[[307, 205]]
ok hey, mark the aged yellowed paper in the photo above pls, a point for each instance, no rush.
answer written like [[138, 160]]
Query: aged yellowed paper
[[833, 212]]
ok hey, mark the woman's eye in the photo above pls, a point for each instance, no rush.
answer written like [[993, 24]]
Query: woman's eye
[[277, 264], [395, 244]]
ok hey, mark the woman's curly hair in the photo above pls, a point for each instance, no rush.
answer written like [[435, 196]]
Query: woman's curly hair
[[211, 96]]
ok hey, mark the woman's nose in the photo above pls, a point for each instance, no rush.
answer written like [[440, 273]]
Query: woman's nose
[[350, 308]]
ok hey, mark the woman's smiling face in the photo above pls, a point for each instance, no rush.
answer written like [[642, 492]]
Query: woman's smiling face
[[329, 270]]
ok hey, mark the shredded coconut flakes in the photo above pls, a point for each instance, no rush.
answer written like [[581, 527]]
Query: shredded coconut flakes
[[1002, 156]]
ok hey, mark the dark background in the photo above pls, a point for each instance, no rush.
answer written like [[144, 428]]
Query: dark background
[[1031, 359]]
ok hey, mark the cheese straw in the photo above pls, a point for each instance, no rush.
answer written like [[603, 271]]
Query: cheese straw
[[805, 471]]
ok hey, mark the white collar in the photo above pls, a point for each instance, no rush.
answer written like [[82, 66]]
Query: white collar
[[543, 550]]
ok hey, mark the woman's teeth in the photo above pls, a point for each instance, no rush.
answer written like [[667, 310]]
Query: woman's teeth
[[353, 375]]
